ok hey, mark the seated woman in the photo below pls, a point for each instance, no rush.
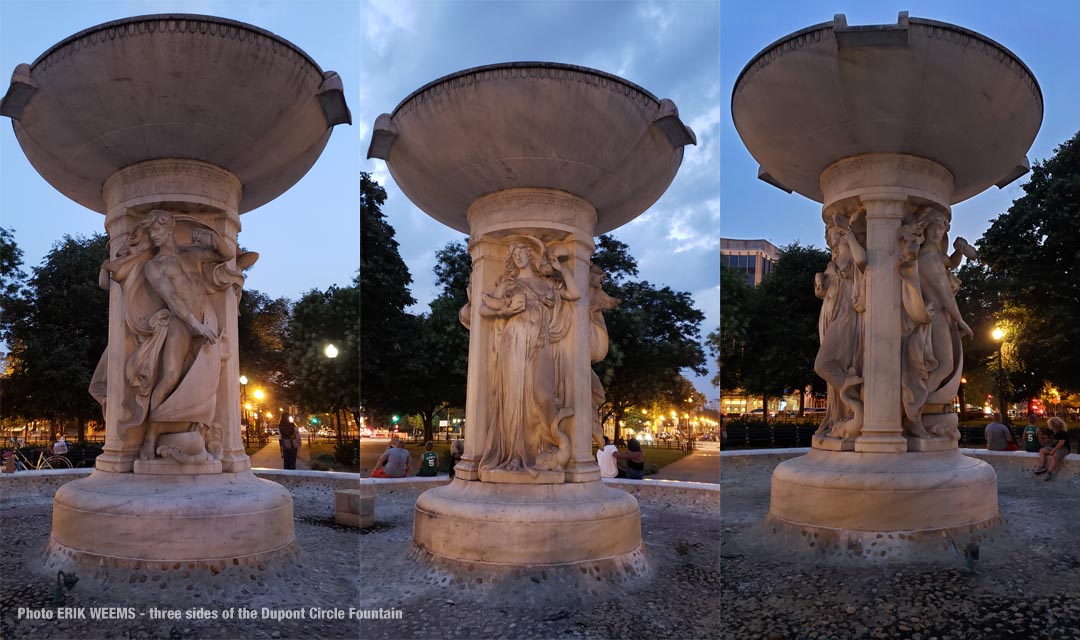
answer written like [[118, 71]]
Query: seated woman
[[1054, 450], [635, 460]]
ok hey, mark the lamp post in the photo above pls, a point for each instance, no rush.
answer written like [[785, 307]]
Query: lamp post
[[331, 352], [259, 396], [243, 404], [999, 335]]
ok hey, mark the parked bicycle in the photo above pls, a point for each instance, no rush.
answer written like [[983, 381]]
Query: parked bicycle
[[23, 462]]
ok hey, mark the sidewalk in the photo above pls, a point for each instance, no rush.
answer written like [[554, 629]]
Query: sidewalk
[[269, 457], [703, 465]]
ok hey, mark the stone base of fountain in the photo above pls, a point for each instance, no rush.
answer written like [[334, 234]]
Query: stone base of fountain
[[127, 520], [882, 504], [546, 525]]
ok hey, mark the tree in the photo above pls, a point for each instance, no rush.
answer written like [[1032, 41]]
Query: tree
[[386, 331], [782, 332], [56, 344], [654, 334], [438, 378], [11, 281], [729, 341], [1033, 274], [322, 383], [262, 326]]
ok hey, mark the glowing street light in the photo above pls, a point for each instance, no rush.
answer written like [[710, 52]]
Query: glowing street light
[[331, 351], [999, 334], [258, 394]]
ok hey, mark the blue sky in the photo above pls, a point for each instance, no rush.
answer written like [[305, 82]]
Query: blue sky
[[671, 49], [1042, 33], [309, 238], [690, 51]]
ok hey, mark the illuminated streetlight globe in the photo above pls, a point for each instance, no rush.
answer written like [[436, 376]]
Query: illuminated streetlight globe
[[258, 394], [243, 380], [998, 334], [330, 351]]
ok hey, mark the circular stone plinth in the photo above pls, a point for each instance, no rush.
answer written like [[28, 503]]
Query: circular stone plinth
[[171, 86], [532, 125], [919, 87], [123, 519], [911, 497], [522, 524]]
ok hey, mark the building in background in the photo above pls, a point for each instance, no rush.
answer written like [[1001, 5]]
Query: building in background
[[754, 258]]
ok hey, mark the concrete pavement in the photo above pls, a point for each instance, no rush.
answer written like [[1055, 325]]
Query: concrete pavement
[[269, 457], [703, 465]]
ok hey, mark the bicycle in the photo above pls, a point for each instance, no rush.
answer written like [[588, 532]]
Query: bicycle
[[22, 462]]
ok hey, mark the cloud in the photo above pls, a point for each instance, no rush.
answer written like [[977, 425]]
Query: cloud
[[385, 21]]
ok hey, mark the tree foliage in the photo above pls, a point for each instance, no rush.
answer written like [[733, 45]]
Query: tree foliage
[[1030, 280], [438, 373], [782, 328], [262, 325], [654, 334], [58, 339], [12, 278], [729, 341], [387, 332], [320, 318]]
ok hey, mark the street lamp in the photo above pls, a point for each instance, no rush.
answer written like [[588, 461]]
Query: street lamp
[[243, 400], [330, 351], [999, 334]]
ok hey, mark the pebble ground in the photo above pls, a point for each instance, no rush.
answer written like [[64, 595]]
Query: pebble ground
[[1026, 583]]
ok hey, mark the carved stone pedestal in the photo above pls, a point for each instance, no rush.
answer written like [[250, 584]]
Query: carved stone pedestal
[[521, 524], [882, 506], [120, 520], [173, 484], [532, 160], [528, 491]]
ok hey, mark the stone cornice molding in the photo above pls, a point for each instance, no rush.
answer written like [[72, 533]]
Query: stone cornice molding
[[182, 23]]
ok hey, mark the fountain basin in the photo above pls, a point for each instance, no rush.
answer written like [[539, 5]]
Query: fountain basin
[[919, 87], [173, 86], [532, 125]]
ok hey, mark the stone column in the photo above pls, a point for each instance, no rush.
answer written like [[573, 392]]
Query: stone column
[[582, 466], [565, 224], [882, 428], [211, 196], [888, 186]]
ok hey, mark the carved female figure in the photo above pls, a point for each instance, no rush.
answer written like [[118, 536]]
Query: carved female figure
[[527, 372], [932, 325], [840, 328]]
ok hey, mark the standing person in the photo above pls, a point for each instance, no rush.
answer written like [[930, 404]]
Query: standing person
[[429, 461], [998, 436], [635, 460], [393, 463], [1030, 436], [1051, 455], [288, 440], [605, 457]]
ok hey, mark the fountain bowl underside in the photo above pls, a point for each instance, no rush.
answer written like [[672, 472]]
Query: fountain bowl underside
[[170, 86], [921, 87]]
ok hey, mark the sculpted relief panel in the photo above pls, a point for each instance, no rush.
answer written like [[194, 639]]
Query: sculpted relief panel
[[840, 327], [932, 357], [529, 368], [175, 343], [931, 354]]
